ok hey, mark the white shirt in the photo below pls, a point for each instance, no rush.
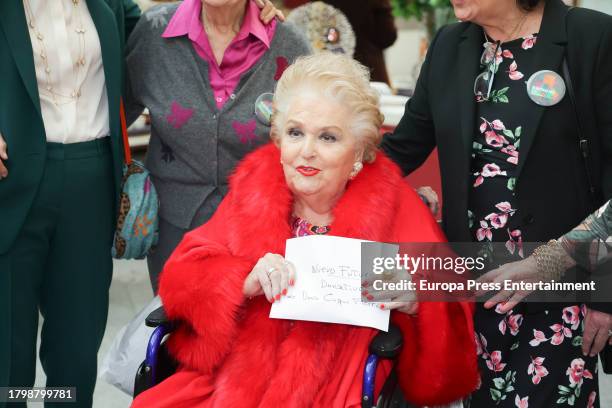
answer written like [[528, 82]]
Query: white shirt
[[68, 118]]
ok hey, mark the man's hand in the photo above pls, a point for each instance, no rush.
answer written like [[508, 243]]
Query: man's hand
[[429, 197], [597, 326], [3, 156]]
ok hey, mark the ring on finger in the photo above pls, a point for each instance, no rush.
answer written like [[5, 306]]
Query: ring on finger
[[270, 270]]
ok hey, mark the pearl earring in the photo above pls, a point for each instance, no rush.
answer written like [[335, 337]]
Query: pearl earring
[[357, 166]]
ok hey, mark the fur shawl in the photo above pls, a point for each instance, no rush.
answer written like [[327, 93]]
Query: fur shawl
[[226, 335]]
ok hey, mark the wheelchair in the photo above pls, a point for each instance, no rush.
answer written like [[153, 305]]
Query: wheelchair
[[159, 365]]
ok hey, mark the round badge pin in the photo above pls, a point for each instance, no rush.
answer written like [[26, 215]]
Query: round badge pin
[[546, 88], [263, 108]]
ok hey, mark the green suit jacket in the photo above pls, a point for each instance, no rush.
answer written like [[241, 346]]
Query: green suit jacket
[[21, 121]]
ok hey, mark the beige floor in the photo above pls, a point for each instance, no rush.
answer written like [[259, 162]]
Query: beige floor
[[130, 291]]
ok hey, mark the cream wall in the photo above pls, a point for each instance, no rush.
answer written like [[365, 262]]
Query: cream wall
[[601, 5], [402, 58]]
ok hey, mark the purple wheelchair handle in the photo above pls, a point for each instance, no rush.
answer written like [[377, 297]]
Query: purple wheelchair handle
[[369, 376], [154, 346]]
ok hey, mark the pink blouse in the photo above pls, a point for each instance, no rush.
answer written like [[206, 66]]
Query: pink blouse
[[249, 45]]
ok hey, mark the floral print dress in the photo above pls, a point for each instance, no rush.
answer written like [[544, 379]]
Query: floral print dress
[[302, 228], [526, 360]]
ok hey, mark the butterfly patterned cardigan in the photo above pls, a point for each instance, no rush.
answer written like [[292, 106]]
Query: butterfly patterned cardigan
[[194, 146]]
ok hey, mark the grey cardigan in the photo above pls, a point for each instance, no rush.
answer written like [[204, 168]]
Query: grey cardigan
[[194, 146]]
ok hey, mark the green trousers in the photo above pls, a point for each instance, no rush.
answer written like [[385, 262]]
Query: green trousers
[[61, 266]]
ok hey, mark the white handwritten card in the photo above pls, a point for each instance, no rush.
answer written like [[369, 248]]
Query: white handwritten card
[[328, 284]]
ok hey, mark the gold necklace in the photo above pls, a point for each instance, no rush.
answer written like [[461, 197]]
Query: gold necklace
[[77, 66], [517, 28]]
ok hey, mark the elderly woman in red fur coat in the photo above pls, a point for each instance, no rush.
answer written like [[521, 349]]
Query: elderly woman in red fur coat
[[323, 174]]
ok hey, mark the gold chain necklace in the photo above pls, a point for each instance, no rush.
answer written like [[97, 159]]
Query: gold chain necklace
[[517, 28], [77, 66]]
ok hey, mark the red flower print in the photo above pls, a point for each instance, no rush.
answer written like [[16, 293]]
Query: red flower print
[[538, 337], [495, 140], [571, 315], [491, 170], [513, 73], [528, 42], [561, 333], [505, 207], [484, 232], [521, 402], [483, 126], [495, 363], [576, 372], [507, 54], [512, 152], [536, 370], [515, 242], [502, 326], [483, 340], [514, 323], [481, 346], [591, 402], [498, 125], [498, 308], [510, 321], [488, 170], [560, 328], [497, 220], [479, 349]]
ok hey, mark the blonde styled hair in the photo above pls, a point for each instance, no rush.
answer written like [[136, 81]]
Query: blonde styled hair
[[334, 76]]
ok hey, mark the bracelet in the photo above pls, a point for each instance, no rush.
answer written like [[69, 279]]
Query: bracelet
[[552, 261]]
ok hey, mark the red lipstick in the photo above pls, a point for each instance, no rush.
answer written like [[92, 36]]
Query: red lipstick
[[308, 171]]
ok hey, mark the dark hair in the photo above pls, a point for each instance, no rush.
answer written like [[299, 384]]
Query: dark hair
[[528, 5]]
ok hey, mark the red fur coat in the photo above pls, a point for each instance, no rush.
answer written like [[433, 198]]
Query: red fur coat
[[250, 360]]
